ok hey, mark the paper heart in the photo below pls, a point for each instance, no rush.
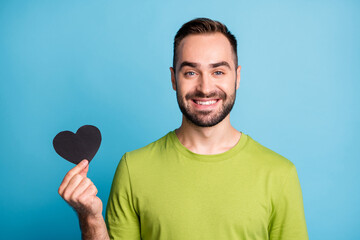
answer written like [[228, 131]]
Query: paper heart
[[82, 145]]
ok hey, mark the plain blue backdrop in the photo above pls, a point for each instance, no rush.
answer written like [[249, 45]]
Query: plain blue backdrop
[[64, 64]]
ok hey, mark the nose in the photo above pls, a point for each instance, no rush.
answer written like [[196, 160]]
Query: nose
[[205, 84]]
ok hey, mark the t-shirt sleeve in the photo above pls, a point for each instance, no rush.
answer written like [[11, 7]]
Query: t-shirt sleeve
[[121, 217], [288, 218]]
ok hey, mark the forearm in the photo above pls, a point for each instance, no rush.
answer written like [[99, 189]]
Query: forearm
[[93, 228]]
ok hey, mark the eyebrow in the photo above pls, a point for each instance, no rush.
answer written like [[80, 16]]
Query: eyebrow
[[223, 63], [212, 65], [190, 64]]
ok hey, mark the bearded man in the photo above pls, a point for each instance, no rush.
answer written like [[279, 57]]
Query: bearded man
[[204, 180]]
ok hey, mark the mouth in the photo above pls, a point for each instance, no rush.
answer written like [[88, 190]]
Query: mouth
[[208, 102], [205, 103]]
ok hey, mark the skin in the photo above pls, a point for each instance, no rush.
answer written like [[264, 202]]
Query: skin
[[80, 193], [203, 51], [203, 78]]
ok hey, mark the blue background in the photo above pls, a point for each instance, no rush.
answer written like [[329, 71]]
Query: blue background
[[64, 64]]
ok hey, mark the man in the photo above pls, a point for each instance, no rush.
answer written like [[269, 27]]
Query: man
[[204, 180]]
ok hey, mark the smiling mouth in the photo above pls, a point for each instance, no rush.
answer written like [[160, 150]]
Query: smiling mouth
[[205, 103]]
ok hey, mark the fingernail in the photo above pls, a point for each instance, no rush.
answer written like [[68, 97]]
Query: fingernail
[[84, 162]]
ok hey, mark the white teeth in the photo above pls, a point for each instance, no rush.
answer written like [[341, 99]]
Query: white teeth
[[206, 102]]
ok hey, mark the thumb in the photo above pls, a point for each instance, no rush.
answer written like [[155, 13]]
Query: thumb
[[83, 166], [85, 170]]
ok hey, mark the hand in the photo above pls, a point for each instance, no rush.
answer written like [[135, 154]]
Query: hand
[[80, 193]]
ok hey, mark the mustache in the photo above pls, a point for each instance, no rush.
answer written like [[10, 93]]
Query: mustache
[[199, 94]]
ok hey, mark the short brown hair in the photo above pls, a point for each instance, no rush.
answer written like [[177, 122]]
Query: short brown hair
[[201, 26]]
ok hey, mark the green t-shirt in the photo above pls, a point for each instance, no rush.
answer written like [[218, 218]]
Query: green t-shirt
[[164, 191]]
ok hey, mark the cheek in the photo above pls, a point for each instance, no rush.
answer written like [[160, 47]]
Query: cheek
[[184, 88], [227, 89], [224, 86], [180, 91]]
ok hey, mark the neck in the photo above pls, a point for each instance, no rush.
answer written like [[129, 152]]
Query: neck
[[208, 140]]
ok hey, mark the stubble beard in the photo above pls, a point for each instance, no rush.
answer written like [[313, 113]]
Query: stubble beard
[[206, 118]]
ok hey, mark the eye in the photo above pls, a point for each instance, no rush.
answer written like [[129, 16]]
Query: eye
[[190, 73], [218, 73]]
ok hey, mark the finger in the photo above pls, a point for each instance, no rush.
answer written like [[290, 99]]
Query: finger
[[74, 182], [78, 168], [84, 171], [75, 170], [90, 191], [83, 185]]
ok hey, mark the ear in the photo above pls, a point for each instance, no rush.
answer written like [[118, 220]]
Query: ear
[[173, 79], [238, 77]]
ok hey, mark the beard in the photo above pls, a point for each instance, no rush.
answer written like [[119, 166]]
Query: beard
[[206, 118]]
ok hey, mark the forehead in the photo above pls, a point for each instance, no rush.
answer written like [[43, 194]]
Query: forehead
[[205, 49]]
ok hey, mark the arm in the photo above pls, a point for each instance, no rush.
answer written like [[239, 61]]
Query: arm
[[93, 228], [122, 218], [288, 218], [80, 193]]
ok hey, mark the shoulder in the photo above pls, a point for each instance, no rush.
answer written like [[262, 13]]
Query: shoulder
[[267, 157], [274, 167], [152, 149]]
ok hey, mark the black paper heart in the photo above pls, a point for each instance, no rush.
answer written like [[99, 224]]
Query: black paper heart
[[82, 145]]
